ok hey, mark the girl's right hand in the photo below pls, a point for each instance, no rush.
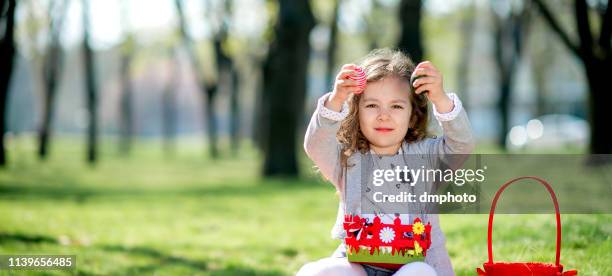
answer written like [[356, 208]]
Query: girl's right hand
[[343, 87]]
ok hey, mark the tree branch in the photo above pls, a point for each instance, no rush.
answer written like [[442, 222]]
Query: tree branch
[[552, 22], [521, 26], [584, 28], [189, 47]]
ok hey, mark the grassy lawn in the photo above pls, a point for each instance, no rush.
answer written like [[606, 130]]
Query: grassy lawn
[[188, 215]]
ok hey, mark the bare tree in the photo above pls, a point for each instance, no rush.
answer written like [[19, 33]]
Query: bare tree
[[596, 56], [91, 90], [284, 92], [510, 31], [227, 71], [52, 68], [7, 55], [208, 90]]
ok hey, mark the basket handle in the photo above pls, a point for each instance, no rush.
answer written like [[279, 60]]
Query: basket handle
[[492, 213]]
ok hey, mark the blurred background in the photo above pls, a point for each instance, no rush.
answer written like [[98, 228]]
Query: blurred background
[[166, 136]]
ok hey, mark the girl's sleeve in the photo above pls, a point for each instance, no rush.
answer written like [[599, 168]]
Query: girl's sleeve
[[457, 137], [320, 142], [452, 149]]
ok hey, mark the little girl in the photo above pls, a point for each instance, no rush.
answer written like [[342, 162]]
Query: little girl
[[386, 117]]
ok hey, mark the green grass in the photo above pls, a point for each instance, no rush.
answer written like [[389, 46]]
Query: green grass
[[378, 256], [189, 215]]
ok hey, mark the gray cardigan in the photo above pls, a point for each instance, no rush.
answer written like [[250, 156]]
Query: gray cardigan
[[323, 148]]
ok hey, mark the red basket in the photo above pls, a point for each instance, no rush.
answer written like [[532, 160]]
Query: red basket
[[536, 269]]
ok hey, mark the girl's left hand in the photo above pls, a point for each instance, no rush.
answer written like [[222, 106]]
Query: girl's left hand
[[427, 79]]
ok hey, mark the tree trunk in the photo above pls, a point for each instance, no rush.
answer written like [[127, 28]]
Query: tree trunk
[[90, 89], [598, 78], [510, 33], [503, 107], [208, 91], [211, 121], [52, 67], [224, 70], [50, 90], [505, 58], [227, 67], [126, 119], [260, 106], [285, 86], [234, 111], [410, 21], [597, 61], [7, 55]]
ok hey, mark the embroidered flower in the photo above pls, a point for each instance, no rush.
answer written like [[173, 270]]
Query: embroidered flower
[[417, 248], [387, 235], [418, 228]]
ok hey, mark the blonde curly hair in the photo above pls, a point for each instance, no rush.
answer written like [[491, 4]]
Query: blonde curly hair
[[377, 65]]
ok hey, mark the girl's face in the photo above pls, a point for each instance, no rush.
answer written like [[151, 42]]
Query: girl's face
[[384, 114]]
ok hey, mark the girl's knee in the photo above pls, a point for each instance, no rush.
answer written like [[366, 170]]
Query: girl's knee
[[307, 269], [331, 266], [416, 268]]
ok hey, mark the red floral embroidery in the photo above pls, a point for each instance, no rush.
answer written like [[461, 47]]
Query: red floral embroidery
[[400, 237]]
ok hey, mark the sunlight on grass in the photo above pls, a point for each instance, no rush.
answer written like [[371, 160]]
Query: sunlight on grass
[[191, 215]]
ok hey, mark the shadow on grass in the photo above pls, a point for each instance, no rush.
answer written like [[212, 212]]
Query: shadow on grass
[[233, 270], [156, 254], [6, 237], [82, 194], [161, 259]]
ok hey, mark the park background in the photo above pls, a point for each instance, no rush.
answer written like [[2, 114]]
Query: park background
[[166, 136]]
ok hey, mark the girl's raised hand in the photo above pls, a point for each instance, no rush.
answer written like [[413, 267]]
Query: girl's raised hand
[[349, 80], [427, 79]]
